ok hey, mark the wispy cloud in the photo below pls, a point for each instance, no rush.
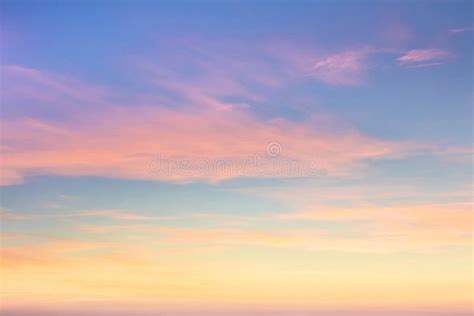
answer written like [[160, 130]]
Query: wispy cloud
[[415, 56], [345, 68], [437, 224], [120, 215], [48, 89], [461, 30], [424, 65]]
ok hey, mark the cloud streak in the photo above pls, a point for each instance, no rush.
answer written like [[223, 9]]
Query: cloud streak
[[423, 55], [342, 69], [461, 30]]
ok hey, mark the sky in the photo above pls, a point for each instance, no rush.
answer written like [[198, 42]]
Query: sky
[[235, 158]]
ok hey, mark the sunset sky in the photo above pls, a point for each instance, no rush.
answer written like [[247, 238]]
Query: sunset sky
[[236, 158]]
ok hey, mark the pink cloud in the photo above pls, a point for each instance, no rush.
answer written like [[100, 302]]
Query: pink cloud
[[123, 143], [423, 55], [344, 68], [48, 87], [119, 141], [461, 30]]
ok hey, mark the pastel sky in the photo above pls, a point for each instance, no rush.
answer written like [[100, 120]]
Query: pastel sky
[[236, 158]]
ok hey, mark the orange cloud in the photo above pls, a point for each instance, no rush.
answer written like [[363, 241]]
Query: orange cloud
[[96, 213], [419, 225], [423, 228]]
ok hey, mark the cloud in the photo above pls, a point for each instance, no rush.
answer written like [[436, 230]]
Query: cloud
[[461, 30], [424, 65], [428, 226], [123, 141], [423, 55], [421, 228], [47, 89], [8, 215], [98, 213], [341, 69], [112, 214]]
